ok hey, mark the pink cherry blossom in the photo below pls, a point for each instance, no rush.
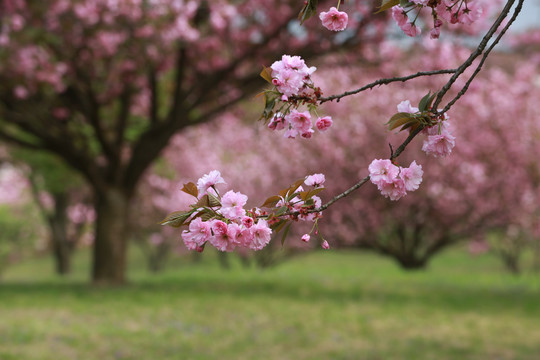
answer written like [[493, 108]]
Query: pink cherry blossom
[[435, 33], [288, 81], [290, 133], [472, 13], [325, 245], [190, 243], [277, 122], [382, 171], [323, 123], [315, 180], [209, 180], [439, 145], [300, 121], [305, 237], [394, 190], [399, 15], [412, 176], [261, 235], [247, 221], [225, 236], [232, 204], [405, 106], [291, 75], [411, 29], [334, 19], [307, 133], [200, 231]]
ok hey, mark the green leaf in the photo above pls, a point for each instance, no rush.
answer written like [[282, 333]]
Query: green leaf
[[207, 200], [308, 203], [400, 119], [412, 125], [286, 193], [191, 189], [270, 99], [430, 101], [309, 9], [387, 4], [176, 219], [271, 201], [277, 227], [206, 215], [282, 210], [406, 3], [423, 103], [285, 233], [304, 195]]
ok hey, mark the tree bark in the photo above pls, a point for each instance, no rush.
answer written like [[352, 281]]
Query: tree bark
[[111, 236], [58, 224]]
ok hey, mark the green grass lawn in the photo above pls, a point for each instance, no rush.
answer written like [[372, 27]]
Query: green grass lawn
[[326, 305]]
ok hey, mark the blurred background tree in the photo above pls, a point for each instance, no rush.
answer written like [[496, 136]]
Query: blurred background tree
[[104, 85]]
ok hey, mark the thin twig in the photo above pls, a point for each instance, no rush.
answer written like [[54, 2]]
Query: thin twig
[[475, 54], [517, 10], [342, 195], [386, 82]]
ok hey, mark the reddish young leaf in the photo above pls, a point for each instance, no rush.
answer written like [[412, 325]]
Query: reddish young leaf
[[191, 189]]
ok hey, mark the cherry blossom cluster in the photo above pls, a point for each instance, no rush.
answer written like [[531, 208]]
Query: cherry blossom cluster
[[394, 181], [439, 141], [222, 221], [291, 78], [299, 124], [453, 11]]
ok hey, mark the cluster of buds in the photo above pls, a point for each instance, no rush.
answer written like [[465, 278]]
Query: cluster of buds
[[293, 88]]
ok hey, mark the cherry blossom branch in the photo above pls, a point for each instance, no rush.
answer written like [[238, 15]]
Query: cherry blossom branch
[[364, 180], [456, 74], [342, 195], [517, 10], [477, 52], [386, 81], [356, 186]]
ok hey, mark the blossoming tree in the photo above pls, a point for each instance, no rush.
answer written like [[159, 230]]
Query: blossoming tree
[[105, 84]]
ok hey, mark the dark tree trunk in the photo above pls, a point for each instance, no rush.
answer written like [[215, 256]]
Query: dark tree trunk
[[511, 262], [112, 231], [58, 223]]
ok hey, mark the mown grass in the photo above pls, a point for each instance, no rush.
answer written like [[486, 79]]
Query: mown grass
[[327, 305]]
